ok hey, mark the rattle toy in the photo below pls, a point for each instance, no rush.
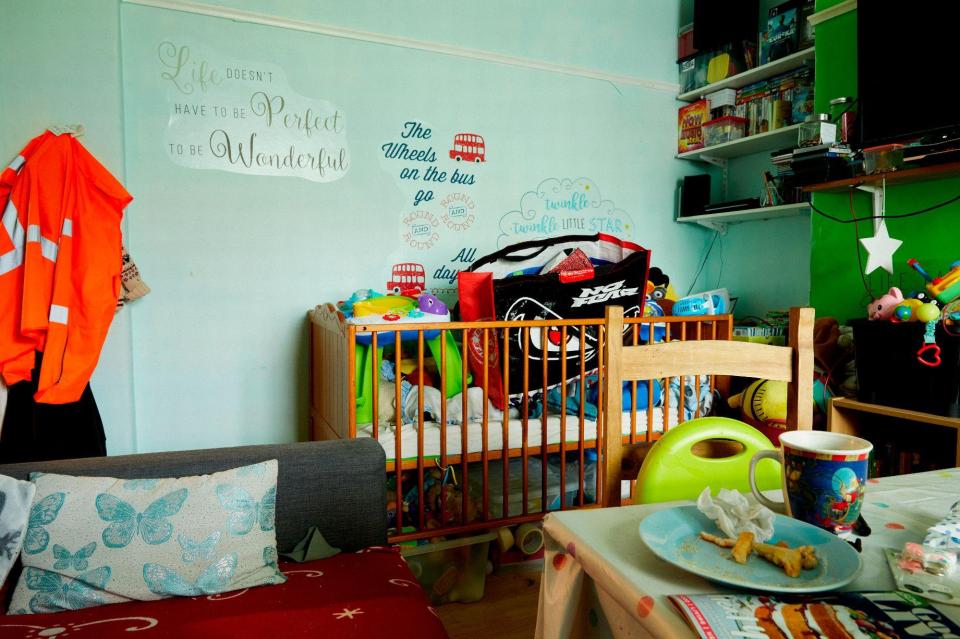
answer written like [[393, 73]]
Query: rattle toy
[[929, 353], [904, 311], [945, 288]]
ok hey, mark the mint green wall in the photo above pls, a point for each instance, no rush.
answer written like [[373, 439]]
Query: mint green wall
[[635, 37], [216, 354], [932, 238], [765, 262], [62, 65]]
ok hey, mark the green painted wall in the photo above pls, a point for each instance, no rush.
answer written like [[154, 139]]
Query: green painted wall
[[836, 286]]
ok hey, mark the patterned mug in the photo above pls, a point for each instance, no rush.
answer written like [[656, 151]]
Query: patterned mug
[[824, 476]]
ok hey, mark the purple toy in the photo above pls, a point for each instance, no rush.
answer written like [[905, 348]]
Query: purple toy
[[431, 304], [882, 307]]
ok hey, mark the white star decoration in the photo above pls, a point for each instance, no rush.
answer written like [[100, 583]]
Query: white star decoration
[[880, 249], [348, 613]]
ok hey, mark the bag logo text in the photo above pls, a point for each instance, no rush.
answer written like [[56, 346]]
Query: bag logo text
[[600, 294]]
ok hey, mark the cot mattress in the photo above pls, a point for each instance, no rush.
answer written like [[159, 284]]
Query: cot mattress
[[570, 430]]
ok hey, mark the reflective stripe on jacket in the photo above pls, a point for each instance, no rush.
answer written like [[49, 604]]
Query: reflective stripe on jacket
[[60, 263]]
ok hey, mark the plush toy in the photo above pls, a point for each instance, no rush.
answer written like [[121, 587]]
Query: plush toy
[[453, 502], [386, 403], [454, 514], [882, 307], [660, 291]]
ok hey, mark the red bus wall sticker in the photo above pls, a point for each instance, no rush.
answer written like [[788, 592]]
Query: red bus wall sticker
[[468, 147], [407, 278]]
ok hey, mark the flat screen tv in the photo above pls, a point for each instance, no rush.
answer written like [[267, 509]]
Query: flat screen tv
[[906, 56]]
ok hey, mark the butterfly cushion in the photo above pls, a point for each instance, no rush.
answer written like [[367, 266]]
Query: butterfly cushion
[[98, 540], [15, 499]]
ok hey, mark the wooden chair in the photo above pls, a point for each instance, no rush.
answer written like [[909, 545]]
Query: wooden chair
[[792, 363]]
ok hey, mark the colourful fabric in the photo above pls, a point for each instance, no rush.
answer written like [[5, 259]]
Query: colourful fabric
[[350, 596], [99, 540], [59, 264], [600, 580]]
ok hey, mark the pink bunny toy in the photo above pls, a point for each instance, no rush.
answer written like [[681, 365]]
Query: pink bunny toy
[[882, 307]]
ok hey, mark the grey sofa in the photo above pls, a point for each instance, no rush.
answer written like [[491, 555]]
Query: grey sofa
[[338, 486]]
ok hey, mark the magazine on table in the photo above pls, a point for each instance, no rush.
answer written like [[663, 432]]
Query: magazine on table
[[837, 615]]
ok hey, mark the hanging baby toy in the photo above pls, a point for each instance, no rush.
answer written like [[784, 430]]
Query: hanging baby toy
[[945, 289], [929, 353]]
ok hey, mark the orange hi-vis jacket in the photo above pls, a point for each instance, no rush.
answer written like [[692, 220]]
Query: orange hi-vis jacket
[[60, 262]]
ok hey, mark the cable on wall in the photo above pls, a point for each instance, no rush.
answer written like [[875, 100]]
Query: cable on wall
[[856, 247], [886, 216], [703, 262]]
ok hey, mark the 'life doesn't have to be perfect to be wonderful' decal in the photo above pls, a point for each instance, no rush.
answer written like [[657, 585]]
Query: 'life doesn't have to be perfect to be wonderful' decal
[[243, 117]]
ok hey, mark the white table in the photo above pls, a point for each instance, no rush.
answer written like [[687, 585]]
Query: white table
[[600, 579]]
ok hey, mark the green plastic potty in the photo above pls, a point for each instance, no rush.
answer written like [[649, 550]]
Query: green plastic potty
[[672, 472]]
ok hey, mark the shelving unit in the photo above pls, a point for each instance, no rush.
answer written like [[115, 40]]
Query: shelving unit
[[718, 221], [720, 154], [769, 141], [756, 74], [847, 416]]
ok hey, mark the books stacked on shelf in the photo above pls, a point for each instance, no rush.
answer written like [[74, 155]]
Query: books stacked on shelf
[[838, 615], [780, 101], [895, 457], [782, 161], [798, 166], [821, 163], [784, 177], [825, 150]]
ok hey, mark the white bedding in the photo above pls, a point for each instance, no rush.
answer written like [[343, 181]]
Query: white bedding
[[431, 431]]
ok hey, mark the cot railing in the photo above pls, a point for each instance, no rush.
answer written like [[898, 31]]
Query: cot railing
[[460, 508]]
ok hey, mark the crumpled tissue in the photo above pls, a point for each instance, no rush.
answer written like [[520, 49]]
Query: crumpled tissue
[[734, 514], [945, 533]]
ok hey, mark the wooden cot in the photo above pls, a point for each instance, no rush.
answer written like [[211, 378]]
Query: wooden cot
[[480, 452]]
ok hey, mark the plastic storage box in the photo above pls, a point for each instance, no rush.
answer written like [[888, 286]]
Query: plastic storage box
[[878, 159], [817, 129], [889, 374], [693, 72], [453, 570], [535, 482], [688, 74], [723, 130]]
